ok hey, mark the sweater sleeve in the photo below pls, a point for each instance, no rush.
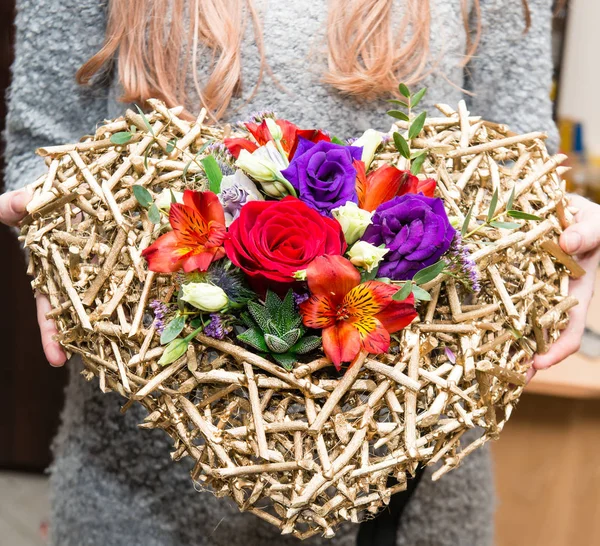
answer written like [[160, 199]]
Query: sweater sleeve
[[511, 72], [45, 104]]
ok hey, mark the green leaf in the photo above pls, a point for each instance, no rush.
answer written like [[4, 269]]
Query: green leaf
[[417, 125], [401, 145], [260, 315], [416, 98], [404, 292], [287, 314], [173, 198], [429, 273], [248, 320], [196, 323], [338, 141], [287, 360], [272, 302], [213, 173], [519, 215], [174, 350], [493, 204], [398, 102], [404, 90], [465, 226], [154, 214], [146, 121], [306, 345], [398, 115], [254, 338], [172, 330], [276, 344], [171, 145], [121, 138], [420, 294], [505, 225], [509, 203], [369, 275], [292, 336], [417, 164], [142, 195]]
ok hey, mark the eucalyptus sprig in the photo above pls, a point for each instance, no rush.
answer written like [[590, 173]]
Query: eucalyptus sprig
[[492, 219], [404, 112], [423, 276]]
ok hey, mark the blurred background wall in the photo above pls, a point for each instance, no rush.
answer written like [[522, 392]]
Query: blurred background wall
[[547, 469]]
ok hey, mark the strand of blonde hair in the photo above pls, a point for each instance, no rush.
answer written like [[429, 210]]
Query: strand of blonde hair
[[366, 55]]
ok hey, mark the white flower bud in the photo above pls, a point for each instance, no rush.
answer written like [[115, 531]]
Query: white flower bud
[[369, 141], [354, 220], [265, 165], [274, 129], [204, 296], [366, 255], [164, 199]]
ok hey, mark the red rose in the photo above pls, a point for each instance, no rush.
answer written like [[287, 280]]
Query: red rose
[[271, 240]]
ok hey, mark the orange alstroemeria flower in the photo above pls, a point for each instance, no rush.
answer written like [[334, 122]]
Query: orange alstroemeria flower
[[385, 183], [352, 315], [197, 237]]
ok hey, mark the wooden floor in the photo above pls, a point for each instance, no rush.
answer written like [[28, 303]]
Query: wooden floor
[[548, 474]]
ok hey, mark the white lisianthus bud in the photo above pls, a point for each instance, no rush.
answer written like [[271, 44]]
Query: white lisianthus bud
[[274, 129], [366, 255], [164, 199], [204, 296], [265, 165], [369, 141], [354, 220]]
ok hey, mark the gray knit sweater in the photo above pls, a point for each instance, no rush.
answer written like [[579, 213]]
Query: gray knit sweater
[[114, 484]]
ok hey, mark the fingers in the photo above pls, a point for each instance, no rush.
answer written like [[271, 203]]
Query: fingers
[[570, 339], [13, 206], [52, 349], [530, 374], [584, 235]]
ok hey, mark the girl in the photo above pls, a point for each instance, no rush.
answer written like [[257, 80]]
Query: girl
[[321, 64]]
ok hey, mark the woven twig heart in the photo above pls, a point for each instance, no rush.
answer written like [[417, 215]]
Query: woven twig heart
[[306, 449]]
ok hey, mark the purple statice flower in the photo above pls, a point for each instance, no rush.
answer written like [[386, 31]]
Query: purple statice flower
[[215, 328], [323, 174], [416, 231], [160, 311], [300, 298], [463, 265]]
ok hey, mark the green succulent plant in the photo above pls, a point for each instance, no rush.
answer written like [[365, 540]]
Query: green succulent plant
[[275, 328]]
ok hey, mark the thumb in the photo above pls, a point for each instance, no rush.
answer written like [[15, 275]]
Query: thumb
[[581, 237]]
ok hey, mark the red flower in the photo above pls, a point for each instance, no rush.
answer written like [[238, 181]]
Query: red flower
[[197, 237], [262, 135], [272, 240], [386, 182], [353, 316]]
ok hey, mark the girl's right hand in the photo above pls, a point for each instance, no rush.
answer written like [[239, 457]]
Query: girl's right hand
[[12, 210]]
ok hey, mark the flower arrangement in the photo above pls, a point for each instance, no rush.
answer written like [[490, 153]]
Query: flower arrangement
[[306, 316], [304, 215]]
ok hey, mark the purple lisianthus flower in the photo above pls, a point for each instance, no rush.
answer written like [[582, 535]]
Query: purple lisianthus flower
[[416, 231], [323, 174]]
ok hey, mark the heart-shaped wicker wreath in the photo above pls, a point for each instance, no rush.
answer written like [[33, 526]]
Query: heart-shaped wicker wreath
[[309, 448]]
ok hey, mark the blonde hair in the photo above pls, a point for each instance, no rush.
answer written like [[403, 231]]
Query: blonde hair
[[366, 57]]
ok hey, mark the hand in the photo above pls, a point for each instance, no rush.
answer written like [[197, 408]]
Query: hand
[[12, 210], [583, 240]]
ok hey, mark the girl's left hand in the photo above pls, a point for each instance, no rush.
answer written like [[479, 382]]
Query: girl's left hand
[[582, 239]]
